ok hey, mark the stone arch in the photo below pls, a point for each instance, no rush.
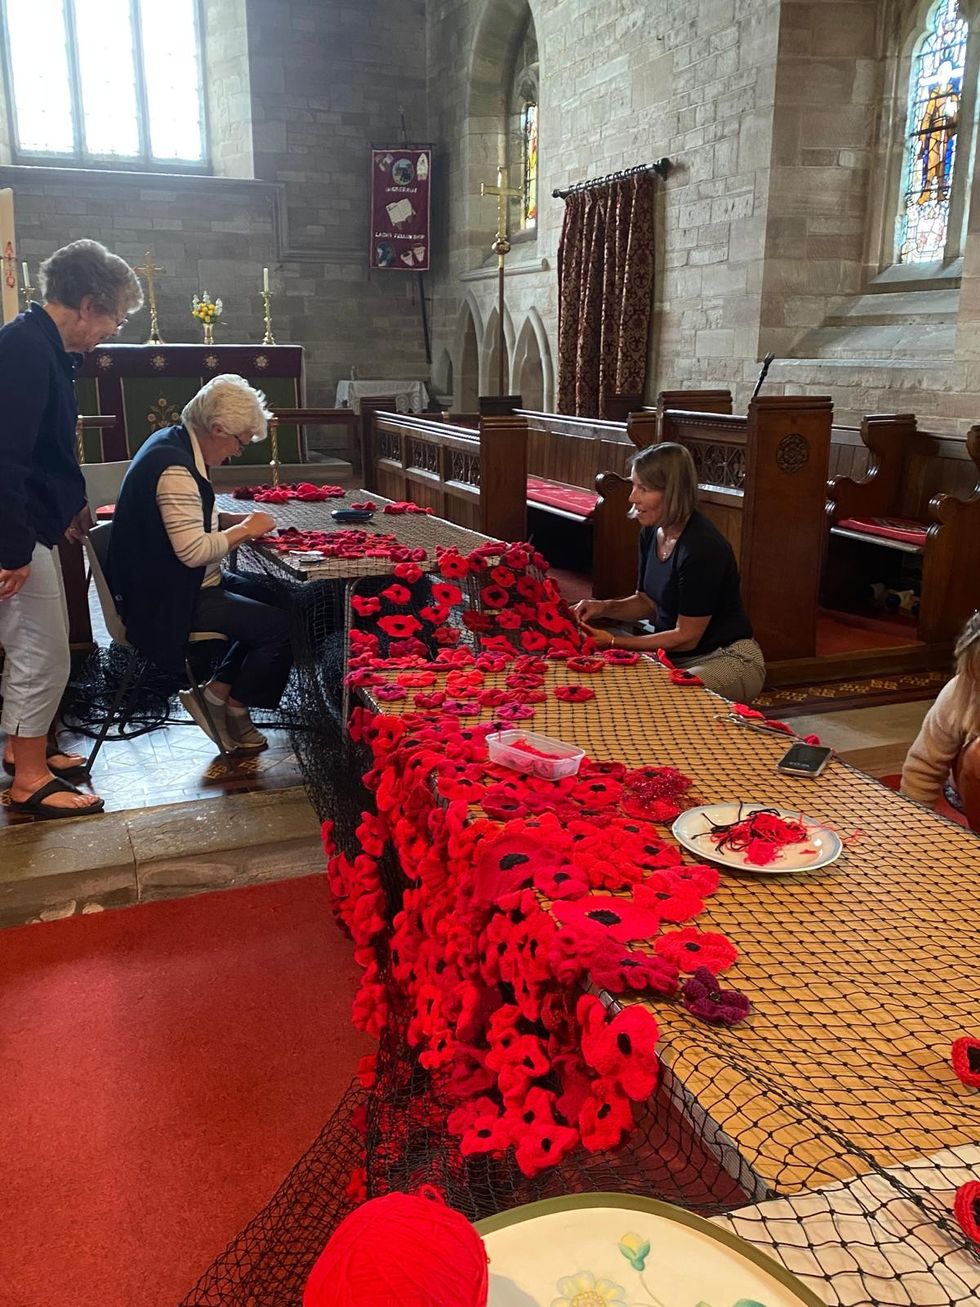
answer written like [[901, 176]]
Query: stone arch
[[488, 91], [442, 374], [489, 354], [533, 374], [466, 353]]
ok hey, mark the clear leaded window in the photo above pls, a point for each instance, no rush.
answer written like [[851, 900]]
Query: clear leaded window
[[523, 132], [935, 91], [106, 81]]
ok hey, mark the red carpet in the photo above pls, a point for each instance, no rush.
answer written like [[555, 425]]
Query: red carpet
[[162, 1069]]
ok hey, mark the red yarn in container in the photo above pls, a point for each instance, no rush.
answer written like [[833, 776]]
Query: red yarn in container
[[401, 1250]]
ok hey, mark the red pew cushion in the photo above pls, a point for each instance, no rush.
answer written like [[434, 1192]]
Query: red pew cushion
[[904, 529], [105, 513], [555, 494]]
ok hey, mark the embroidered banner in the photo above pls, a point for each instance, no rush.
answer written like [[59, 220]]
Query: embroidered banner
[[400, 208], [9, 294]]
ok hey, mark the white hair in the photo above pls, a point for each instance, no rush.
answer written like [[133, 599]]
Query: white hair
[[230, 401]]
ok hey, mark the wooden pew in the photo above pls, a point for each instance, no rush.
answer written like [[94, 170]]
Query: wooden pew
[[762, 483], [919, 494], [477, 479]]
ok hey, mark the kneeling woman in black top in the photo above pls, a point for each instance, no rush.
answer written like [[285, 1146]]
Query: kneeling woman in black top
[[687, 600]]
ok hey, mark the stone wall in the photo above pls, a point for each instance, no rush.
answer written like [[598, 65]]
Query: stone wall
[[320, 85]]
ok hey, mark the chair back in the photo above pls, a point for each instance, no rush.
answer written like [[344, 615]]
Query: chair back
[[102, 482], [97, 549]]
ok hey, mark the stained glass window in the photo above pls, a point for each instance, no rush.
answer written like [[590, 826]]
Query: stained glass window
[[935, 89], [529, 187], [106, 81], [523, 129]]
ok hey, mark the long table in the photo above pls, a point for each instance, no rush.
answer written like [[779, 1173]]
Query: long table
[[860, 975]]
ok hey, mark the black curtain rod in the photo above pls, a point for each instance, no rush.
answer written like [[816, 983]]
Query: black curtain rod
[[660, 166]]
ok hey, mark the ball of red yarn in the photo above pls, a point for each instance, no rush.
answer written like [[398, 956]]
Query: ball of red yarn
[[401, 1251]]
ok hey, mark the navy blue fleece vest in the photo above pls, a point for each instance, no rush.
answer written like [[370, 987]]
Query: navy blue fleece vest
[[154, 591]]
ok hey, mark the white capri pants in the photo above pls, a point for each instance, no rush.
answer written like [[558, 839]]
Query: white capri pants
[[34, 635]]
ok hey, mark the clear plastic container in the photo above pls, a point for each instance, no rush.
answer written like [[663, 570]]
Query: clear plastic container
[[563, 759]]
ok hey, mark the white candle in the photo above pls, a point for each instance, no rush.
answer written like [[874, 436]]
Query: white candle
[[265, 280], [27, 275]]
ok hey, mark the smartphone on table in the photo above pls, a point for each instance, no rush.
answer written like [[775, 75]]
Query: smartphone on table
[[804, 760]]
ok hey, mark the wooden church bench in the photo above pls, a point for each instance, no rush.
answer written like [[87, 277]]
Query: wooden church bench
[[920, 495], [762, 481]]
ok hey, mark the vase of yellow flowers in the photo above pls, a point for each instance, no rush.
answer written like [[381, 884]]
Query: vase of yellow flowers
[[206, 310]]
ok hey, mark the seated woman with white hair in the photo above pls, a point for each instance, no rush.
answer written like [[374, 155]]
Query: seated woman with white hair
[[165, 553], [688, 600]]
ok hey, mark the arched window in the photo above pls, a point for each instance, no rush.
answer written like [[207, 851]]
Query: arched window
[[522, 136], [935, 92]]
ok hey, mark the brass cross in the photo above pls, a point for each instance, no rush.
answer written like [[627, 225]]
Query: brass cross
[[148, 269], [503, 193]]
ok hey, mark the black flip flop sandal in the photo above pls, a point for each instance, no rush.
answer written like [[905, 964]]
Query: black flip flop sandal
[[36, 807]]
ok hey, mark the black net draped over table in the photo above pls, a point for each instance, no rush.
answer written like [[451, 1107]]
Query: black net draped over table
[[828, 1129]]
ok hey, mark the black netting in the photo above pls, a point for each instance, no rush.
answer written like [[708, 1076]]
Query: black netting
[[829, 1129]]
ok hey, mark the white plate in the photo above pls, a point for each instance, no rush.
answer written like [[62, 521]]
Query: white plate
[[693, 826], [618, 1250]]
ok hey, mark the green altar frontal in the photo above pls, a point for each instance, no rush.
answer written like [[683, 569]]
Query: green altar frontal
[[145, 387]]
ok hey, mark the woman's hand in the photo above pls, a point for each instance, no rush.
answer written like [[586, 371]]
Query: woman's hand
[[587, 610], [603, 639], [258, 524]]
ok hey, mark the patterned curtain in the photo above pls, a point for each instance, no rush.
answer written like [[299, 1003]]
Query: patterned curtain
[[605, 294]]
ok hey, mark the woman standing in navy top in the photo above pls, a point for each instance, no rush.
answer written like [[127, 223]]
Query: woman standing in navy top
[[687, 600]]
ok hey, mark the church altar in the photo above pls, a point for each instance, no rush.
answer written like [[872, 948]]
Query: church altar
[[409, 396], [146, 386]]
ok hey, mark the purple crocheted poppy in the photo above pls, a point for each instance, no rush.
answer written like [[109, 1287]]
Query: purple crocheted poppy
[[705, 998]]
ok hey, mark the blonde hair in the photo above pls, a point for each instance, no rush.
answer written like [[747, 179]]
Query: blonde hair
[[967, 655], [669, 468]]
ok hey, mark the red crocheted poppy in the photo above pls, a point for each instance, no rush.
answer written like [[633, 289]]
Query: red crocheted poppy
[[506, 864], [408, 572], [464, 676], [621, 970], [455, 658], [564, 881], [491, 662], [529, 588], [587, 664], [492, 1132], [743, 710], [406, 648], [416, 679], [397, 594], [966, 1209], [704, 998], [477, 622], [620, 657], [399, 625], [574, 693], [607, 915], [434, 613], [605, 1117], [690, 948], [524, 681], [541, 1140], [365, 605], [435, 699], [461, 708], [526, 665], [502, 576], [494, 596], [621, 1049], [452, 564], [549, 618], [965, 1056], [446, 595], [533, 641], [508, 620], [597, 792], [446, 635], [672, 900], [494, 697], [496, 643]]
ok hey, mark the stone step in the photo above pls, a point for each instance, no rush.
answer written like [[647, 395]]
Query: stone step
[[59, 868]]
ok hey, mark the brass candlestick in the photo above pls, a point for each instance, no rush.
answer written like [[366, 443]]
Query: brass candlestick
[[148, 269], [28, 290], [268, 338], [274, 441]]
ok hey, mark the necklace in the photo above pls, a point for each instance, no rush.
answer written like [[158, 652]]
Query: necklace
[[665, 544]]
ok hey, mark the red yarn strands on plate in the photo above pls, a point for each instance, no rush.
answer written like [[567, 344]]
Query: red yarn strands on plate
[[403, 1249]]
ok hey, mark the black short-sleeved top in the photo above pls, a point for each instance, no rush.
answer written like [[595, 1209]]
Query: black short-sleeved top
[[699, 579]]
